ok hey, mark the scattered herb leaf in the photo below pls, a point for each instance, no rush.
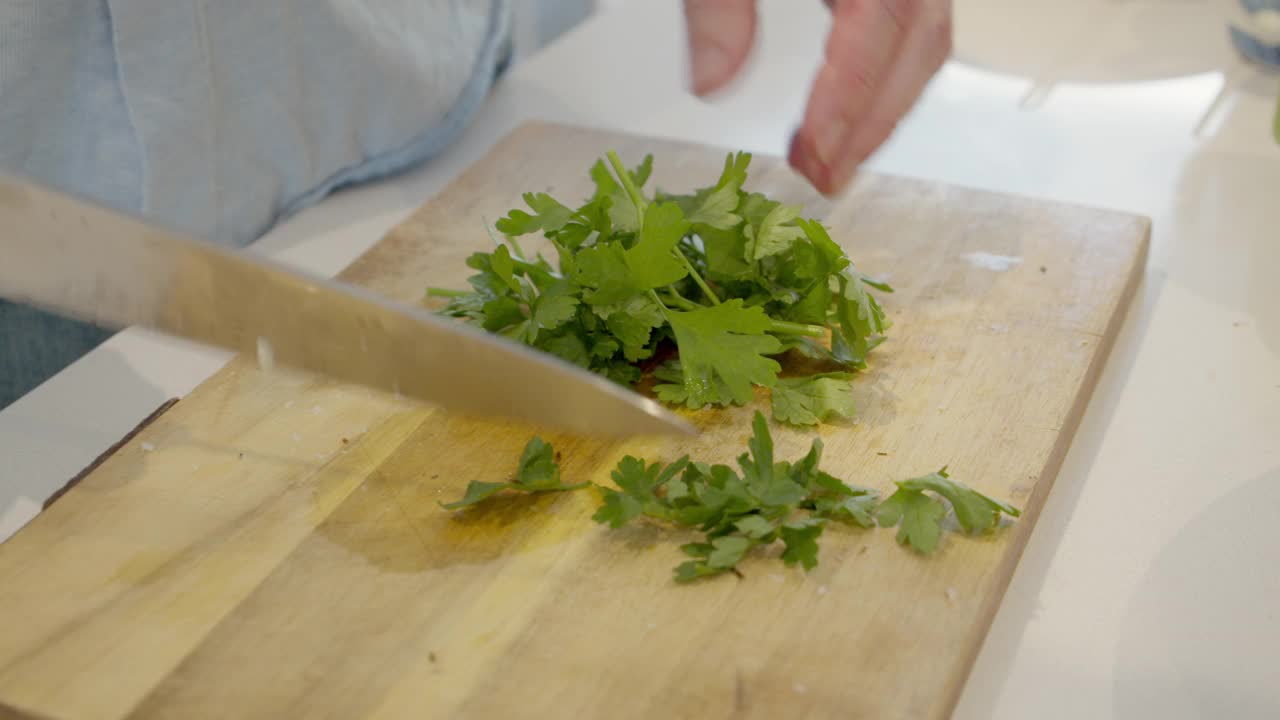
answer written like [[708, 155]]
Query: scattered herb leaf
[[767, 502], [921, 515], [538, 471], [813, 399]]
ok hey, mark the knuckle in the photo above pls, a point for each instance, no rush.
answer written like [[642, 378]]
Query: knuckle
[[902, 12], [859, 80], [939, 28]]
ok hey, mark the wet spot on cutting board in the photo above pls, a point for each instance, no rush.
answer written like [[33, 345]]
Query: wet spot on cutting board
[[989, 261]]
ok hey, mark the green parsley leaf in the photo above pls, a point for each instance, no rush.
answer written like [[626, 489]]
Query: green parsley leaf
[[691, 570], [640, 173], [773, 489], [697, 550], [538, 467], [487, 283], [805, 472], [921, 517], [604, 270], [760, 446], [727, 492], [774, 234], [1275, 121], [974, 511], [673, 391], [549, 216], [862, 321], [726, 253], [556, 305], [568, 347], [756, 527], [754, 207], [617, 509], [623, 213], [801, 539], [714, 207], [617, 274], [502, 313], [833, 257], [812, 307], [503, 267], [719, 556], [813, 399], [537, 472], [621, 372], [727, 551], [632, 324], [652, 261], [639, 482], [857, 510], [469, 305], [636, 477], [830, 497], [476, 491], [823, 483], [604, 347], [723, 350]]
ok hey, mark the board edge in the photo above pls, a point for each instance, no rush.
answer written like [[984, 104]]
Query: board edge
[[1048, 477]]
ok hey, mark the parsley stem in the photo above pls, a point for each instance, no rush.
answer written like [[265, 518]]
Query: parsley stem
[[446, 293], [778, 327], [706, 289], [675, 298], [515, 245], [782, 327], [654, 296], [629, 183], [510, 240], [525, 266]]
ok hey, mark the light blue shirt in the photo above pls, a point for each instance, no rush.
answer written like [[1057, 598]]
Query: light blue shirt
[[220, 117]]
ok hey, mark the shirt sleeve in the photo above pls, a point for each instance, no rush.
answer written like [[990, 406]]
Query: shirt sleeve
[[221, 118]]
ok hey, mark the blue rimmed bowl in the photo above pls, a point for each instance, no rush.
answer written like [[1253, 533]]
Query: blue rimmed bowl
[[1255, 31]]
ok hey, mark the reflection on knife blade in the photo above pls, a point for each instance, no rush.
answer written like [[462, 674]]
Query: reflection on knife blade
[[77, 259]]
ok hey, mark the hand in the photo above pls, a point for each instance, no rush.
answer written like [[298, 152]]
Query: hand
[[879, 57]]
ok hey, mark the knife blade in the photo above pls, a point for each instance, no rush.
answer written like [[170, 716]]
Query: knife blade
[[78, 259]]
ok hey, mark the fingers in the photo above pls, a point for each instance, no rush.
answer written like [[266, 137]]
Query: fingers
[[927, 45], [721, 33], [864, 41], [880, 55]]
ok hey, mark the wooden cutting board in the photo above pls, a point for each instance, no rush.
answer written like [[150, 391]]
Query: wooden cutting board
[[272, 547]]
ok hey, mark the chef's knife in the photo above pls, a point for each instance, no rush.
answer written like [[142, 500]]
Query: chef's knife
[[80, 260]]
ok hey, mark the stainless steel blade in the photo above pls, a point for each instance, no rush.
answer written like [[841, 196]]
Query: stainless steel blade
[[80, 260]]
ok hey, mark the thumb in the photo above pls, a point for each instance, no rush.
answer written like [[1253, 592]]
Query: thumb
[[721, 33]]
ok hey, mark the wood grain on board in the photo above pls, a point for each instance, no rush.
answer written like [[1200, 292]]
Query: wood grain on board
[[272, 545]]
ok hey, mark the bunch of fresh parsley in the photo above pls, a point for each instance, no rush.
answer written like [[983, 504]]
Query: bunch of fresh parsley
[[732, 278], [760, 503]]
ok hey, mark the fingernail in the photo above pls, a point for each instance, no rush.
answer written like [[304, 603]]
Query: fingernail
[[710, 65]]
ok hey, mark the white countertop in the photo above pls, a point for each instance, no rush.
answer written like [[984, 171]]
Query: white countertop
[[1151, 586]]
